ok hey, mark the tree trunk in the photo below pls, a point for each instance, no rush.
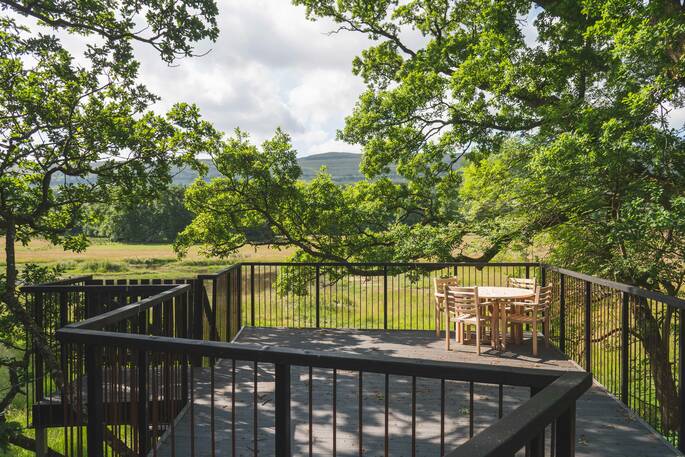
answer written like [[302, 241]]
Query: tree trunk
[[22, 314], [657, 348]]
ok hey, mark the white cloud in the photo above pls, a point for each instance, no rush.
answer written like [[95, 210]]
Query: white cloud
[[270, 67]]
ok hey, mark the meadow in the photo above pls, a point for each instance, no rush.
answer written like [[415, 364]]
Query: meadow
[[110, 259], [107, 259]]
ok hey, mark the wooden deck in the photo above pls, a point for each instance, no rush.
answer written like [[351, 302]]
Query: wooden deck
[[604, 426]]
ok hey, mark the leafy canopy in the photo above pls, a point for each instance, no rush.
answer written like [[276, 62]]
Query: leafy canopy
[[84, 119]]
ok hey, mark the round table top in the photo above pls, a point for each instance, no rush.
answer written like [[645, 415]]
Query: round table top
[[495, 293]]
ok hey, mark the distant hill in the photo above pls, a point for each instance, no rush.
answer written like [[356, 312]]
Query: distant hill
[[342, 166]]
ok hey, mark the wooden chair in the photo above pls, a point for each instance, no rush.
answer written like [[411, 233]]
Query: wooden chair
[[533, 313], [439, 293], [462, 306], [521, 283]]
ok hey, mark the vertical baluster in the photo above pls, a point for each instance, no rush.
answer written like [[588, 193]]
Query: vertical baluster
[[386, 443], [282, 410]]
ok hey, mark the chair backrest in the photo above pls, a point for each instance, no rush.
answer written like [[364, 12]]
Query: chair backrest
[[543, 297], [460, 300], [440, 283], [522, 283]]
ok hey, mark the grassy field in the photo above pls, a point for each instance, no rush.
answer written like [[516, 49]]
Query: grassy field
[[105, 259], [108, 259]]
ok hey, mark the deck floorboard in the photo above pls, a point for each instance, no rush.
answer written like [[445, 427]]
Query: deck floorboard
[[604, 427]]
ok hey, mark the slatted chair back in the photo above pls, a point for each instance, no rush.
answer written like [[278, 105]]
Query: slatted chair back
[[440, 283], [522, 283], [543, 297], [461, 300]]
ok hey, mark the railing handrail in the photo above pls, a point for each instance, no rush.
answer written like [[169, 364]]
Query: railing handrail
[[63, 281], [98, 287], [626, 288], [220, 272], [117, 315], [367, 363], [513, 431], [395, 264]]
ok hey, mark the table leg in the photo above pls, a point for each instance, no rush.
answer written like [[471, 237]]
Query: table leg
[[494, 323]]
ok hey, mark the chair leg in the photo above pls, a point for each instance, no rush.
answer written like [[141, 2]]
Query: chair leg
[[478, 336], [535, 338], [437, 321], [447, 329]]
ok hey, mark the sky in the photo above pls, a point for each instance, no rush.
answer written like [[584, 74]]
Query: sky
[[269, 68]]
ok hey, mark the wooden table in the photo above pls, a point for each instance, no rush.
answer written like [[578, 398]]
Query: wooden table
[[498, 297]]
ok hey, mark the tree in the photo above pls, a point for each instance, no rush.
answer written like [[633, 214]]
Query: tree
[[561, 108], [157, 220], [88, 121], [374, 220]]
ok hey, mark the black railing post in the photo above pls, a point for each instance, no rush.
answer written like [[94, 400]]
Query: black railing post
[[385, 297], [214, 330], [318, 298], [252, 293], [681, 370], [39, 373], [143, 425], [229, 305], [536, 446], [562, 313], [566, 433], [283, 410], [240, 297], [543, 275], [95, 409], [624, 347], [198, 297], [588, 318]]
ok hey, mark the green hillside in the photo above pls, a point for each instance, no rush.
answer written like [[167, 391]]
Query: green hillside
[[342, 166]]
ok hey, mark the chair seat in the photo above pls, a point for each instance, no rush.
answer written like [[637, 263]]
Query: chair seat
[[524, 318], [469, 318]]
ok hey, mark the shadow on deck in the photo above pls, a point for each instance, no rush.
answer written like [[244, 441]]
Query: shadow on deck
[[604, 426]]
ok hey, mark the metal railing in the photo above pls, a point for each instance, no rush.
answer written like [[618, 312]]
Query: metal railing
[[391, 296], [142, 375], [633, 344], [631, 339]]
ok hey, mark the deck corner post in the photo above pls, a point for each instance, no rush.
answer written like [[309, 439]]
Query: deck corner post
[[562, 313], [681, 368], [240, 297], [95, 410], [566, 433], [283, 431], [588, 329], [624, 347], [252, 295], [318, 297], [385, 297]]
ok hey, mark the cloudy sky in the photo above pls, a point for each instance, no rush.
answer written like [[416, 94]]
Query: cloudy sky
[[270, 67]]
